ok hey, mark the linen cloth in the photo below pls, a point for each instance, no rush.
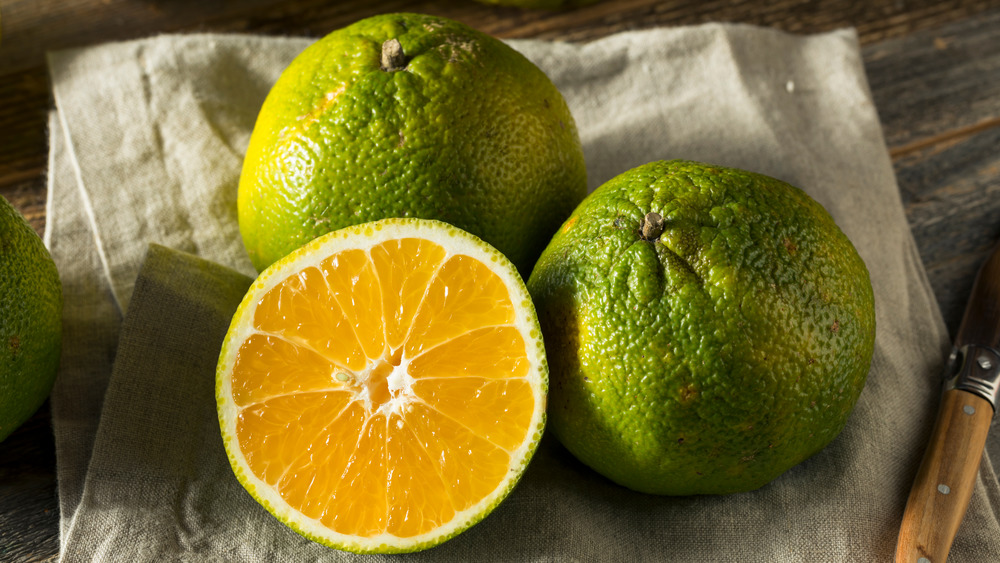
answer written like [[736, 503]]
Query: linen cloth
[[146, 145]]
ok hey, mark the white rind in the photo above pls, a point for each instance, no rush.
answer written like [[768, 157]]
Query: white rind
[[455, 242]]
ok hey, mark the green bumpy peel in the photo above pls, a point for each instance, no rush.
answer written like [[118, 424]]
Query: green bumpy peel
[[711, 357]]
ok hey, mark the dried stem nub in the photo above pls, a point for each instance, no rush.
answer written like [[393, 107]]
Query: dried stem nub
[[393, 58], [652, 226]]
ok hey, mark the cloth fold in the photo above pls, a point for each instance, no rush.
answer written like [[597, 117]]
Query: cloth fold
[[146, 145]]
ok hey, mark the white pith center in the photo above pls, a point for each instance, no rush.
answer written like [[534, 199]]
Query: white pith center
[[382, 387], [400, 386]]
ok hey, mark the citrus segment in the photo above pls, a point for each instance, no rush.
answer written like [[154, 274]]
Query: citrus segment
[[273, 432], [458, 399], [350, 280], [404, 268], [469, 463], [461, 356], [268, 366], [300, 310], [383, 387], [452, 307]]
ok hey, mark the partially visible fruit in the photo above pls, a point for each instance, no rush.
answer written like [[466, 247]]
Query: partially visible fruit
[[382, 388], [30, 320], [407, 115], [708, 328]]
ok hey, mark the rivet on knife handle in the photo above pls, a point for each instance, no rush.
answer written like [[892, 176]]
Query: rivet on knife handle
[[947, 474], [979, 372]]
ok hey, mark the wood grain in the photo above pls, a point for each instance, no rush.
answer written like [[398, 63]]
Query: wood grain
[[29, 513], [947, 475], [938, 96], [951, 193], [32, 27], [937, 83]]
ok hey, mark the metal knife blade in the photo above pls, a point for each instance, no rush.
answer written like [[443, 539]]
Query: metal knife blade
[[981, 321], [941, 491]]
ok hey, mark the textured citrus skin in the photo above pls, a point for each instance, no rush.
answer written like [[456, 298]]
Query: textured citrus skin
[[716, 356], [469, 132], [30, 320]]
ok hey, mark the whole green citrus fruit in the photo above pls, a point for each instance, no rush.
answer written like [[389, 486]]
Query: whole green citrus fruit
[[30, 320], [406, 115], [707, 328]]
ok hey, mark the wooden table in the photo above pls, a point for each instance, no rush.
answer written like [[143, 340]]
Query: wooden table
[[933, 67]]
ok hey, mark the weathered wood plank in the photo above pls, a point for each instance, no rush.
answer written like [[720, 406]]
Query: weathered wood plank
[[29, 197], [29, 509], [938, 96], [935, 84], [32, 27], [24, 101], [951, 193]]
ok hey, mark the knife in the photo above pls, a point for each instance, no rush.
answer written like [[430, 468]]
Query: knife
[[947, 474]]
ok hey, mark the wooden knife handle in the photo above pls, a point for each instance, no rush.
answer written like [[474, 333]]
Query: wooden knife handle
[[947, 474]]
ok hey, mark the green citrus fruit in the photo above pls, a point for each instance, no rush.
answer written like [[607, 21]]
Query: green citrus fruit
[[382, 388], [708, 328], [405, 115], [30, 320]]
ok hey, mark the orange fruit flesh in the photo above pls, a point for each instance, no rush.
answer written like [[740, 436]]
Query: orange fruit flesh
[[383, 391]]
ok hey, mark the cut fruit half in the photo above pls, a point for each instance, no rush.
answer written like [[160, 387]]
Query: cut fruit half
[[382, 388]]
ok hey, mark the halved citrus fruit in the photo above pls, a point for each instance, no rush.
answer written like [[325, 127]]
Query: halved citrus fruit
[[382, 388]]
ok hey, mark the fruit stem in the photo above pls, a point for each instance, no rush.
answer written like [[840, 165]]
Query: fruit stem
[[392, 56], [652, 226]]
